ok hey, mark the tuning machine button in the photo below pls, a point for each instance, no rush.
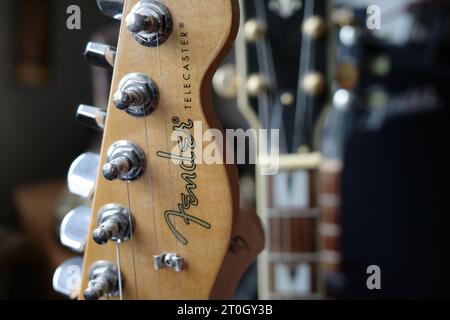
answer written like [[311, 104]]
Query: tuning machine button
[[67, 278], [75, 228], [124, 161], [92, 117], [254, 30], [101, 55], [137, 95], [111, 8], [103, 281], [83, 174], [113, 224], [150, 22], [225, 81]]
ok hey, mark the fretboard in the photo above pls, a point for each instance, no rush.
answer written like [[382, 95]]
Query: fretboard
[[330, 224], [289, 268]]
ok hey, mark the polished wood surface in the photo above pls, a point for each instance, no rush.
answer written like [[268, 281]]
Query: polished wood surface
[[206, 28]]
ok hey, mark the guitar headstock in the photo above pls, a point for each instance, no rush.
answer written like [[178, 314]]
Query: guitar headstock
[[161, 219]]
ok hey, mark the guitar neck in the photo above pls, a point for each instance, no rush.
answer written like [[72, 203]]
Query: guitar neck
[[288, 203], [330, 223]]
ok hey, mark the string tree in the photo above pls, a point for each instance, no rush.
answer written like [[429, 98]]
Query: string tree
[[150, 22], [168, 260], [125, 161]]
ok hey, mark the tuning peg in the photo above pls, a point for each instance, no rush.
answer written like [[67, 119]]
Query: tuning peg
[[124, 161], [100, 54], [150, 22], [111, 8], [67, 278], [92, 117], [75, 228], [83, 174], [225, 81], [104, 280]]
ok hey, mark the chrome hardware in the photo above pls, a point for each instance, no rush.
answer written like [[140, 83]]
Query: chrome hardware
[[101, 55], [75, 228], [137, 95], [254, 30], [113, 224], [168, 260], [225, 81], [92, 117], [150, 22], [67, 278], [111, 8], [343, 100], [83, 174], [103, 281], [124, 161]]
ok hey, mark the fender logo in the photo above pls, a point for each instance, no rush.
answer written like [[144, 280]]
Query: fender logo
[[188, 199]]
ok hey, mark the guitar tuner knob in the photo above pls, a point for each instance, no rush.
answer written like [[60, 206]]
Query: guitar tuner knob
[[75, 228], [111, 8], [83, 174], [103, 281], [101, 55], [150, 22], [113, 224], [67, 277], [125, 161], [92, 117], [254, 30], [137, 95]]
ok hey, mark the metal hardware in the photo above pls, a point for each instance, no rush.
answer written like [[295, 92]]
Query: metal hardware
[[75, 228], [150, 22], [124, 161], [168, 260], [113, 224], [83, 174], [67, 278], [101, 55], [111, 8], [92, 117], [137, 95], [103, 281]]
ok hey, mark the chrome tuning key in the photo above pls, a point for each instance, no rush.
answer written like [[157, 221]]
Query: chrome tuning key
[[150, 22], [101, 55], [111, 8], [75, 228], [125, 161], [168, 260], [67, 278], [83, 174], [113, 224], [103, 281], [137, 95], [92, 117]]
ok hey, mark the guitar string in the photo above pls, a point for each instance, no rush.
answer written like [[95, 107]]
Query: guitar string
[[150, 184], [119, 268], [167, 148], [133, 247]]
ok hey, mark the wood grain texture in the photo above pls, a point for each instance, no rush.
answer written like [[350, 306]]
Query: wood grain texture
[[210, 26]]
